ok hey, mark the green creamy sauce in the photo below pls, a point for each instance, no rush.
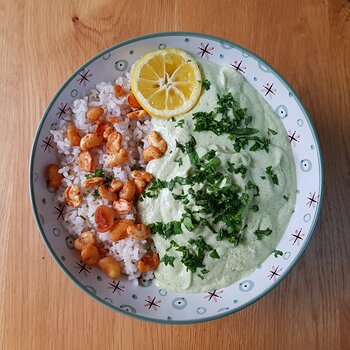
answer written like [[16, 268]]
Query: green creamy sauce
[[274, 212]]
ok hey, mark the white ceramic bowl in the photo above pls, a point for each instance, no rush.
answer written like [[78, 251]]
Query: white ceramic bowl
[[145, 300]]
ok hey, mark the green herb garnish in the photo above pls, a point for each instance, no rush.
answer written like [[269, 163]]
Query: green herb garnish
[[153, 189], [272, 132], [242, 169], [286, 197], [172, 245], [261, 233], [227, 118], [180, 146], [200, 243], [252, 186], [191, 259], [82, 217], [276, 253], [214, 254], [97, 173], [96, 194], [254, 208], [180, 123], [166, 230], [179, 161], [168, 260], [273, 176], [206, 84]]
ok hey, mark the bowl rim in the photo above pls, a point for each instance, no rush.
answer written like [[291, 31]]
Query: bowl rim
[[134, 40]]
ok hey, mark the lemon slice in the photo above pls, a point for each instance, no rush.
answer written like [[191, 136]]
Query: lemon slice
[[166, 82]]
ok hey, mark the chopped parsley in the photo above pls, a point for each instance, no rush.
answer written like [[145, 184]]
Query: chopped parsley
[[96, 194], [254, 208], [191, 259], [214, 254], [188, 223], [152, 191], [200, 243], [286, 197], [228, 118], [242, 169], [273, 176], [135, 167], [272, 132], [252, 186], [180, 146], [206, 84], [204, 271], [248, 119], [82, 217], [277, 253], [179, 161], [97, 173], [180, 123], [168, 260], [263, 177], [172, 244], [200, 276], [261, 233], [166, 230]]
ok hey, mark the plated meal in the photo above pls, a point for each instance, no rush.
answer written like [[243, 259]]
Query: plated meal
[[176, 178], [178, 171]]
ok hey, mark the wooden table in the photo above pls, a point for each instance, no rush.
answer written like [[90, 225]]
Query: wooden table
[[43, 42]]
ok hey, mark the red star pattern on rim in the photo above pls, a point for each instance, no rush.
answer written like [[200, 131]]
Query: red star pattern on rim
[[205, 50], [62, 110], [312, 200], [47, 146], [214, 295], [297, 237], [274, 273], [82, 267], [152, 303], [293, 138], [269, 90], [238, 66], [83, 77], [116, 287]]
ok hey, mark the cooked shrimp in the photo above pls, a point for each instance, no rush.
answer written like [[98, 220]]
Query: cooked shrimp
[[156, 140], [104, 218], [110, 266], [139, 231], [94, 113], [86, 162], [73, 195], [73, 135], [148, 262]]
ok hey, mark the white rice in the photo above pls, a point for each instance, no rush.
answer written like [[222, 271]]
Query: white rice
[[77, 220]]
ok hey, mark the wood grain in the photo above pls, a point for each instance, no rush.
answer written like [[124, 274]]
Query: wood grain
[[43, 42]]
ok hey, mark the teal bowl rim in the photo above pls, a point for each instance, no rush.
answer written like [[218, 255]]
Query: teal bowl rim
[[140, 38]]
